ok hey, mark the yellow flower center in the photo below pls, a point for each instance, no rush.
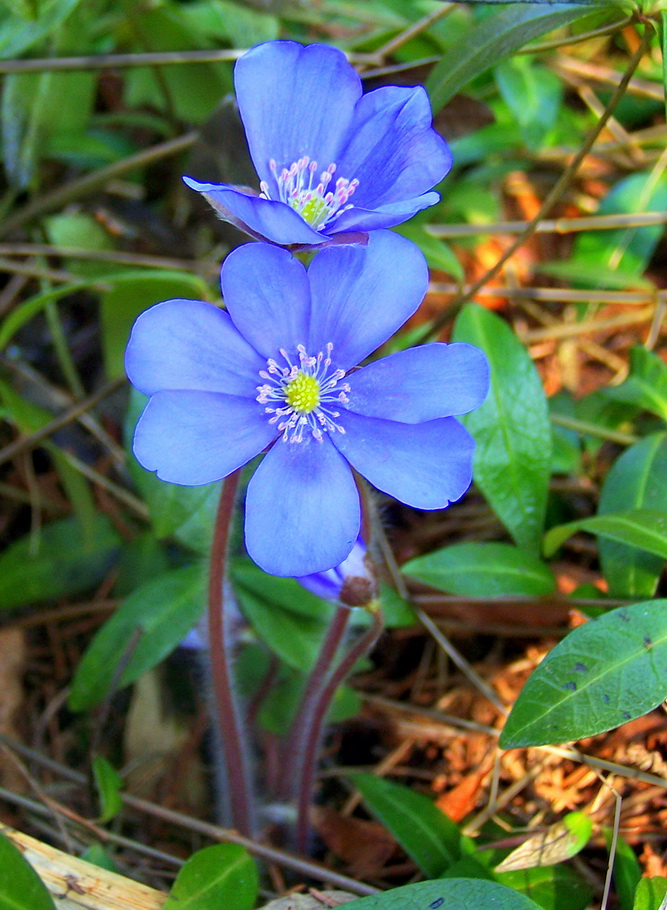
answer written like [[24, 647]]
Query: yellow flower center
[[303, 393]]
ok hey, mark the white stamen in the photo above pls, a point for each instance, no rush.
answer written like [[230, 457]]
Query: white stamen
[[299, 187]]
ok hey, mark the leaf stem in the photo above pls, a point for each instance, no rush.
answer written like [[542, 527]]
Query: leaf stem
[[226, 707]]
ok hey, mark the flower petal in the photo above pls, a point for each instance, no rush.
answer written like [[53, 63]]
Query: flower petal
[[189, 344], [263, 219], [393, 150], [302, 509], [385, 216], [425, 465], [197, 437], [295, 101], [360, 296], [268, 297], [435, 380]]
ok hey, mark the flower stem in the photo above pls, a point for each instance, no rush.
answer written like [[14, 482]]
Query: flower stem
[[307, 766], [226, 707], [298, 736]]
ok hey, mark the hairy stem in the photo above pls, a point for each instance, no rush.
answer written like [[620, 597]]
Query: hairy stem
[[363, 646], [226, 707]]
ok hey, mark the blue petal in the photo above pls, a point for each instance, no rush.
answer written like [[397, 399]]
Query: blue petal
[[197, 437], [426, 465], [295, 101], [262, 219], [436, 380], [302, 509], [385, 216], [268, 297], [393, 150], [189, 344], [360, 296]]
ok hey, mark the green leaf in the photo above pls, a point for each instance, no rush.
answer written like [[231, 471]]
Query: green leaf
[[482, 570], [650, 893], [559, 842], [426, 834], [551, 887], [494, 38], [601, 675], [642, 528], [663, 47], [512, 430], [130, 296], [57, 562], [109, 783], [533, 94], [20, 886], [143, 631], [646, 386], [98, 855], [223, 875], [638, 478], [446, 894]]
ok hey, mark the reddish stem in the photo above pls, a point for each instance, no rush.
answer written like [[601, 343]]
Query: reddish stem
[[228, 714]]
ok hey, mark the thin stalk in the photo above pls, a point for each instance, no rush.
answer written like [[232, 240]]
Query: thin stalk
[[298, 736], [552, 197], [226, 707], [363, 646]]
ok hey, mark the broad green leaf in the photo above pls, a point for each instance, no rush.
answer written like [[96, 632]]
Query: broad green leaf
[[57, 562], [79, 231], [447, 894], [20, 886], [482, 570], [646, 386], [638, 478], [551, 887], [143, 631], [645, 529], [109, 783], [99, 856], [426, 834], [559, 842], [130, 296], [533, 94], [495, 38], [601, 675], [224, 875], [650, 894], [512, 430]]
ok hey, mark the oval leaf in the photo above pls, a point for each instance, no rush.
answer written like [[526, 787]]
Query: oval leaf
[[20, 886], [426, 834], [638, 478], [144, 629], [223, 875], [447, 894], [642, 528], [604, 673], [483, 570], [109, 783], [512, 430]]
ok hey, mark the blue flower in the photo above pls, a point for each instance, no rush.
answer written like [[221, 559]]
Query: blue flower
[[276, 371], [352, 579], [333, 163]]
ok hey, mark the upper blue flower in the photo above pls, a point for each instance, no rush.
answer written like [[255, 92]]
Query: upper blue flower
[[333, 163], [276, 370]]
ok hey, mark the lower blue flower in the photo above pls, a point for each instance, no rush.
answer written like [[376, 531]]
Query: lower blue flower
[[275, 372]]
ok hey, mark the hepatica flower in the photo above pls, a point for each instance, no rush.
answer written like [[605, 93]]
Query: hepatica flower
[[332, 162], [275, 372]]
